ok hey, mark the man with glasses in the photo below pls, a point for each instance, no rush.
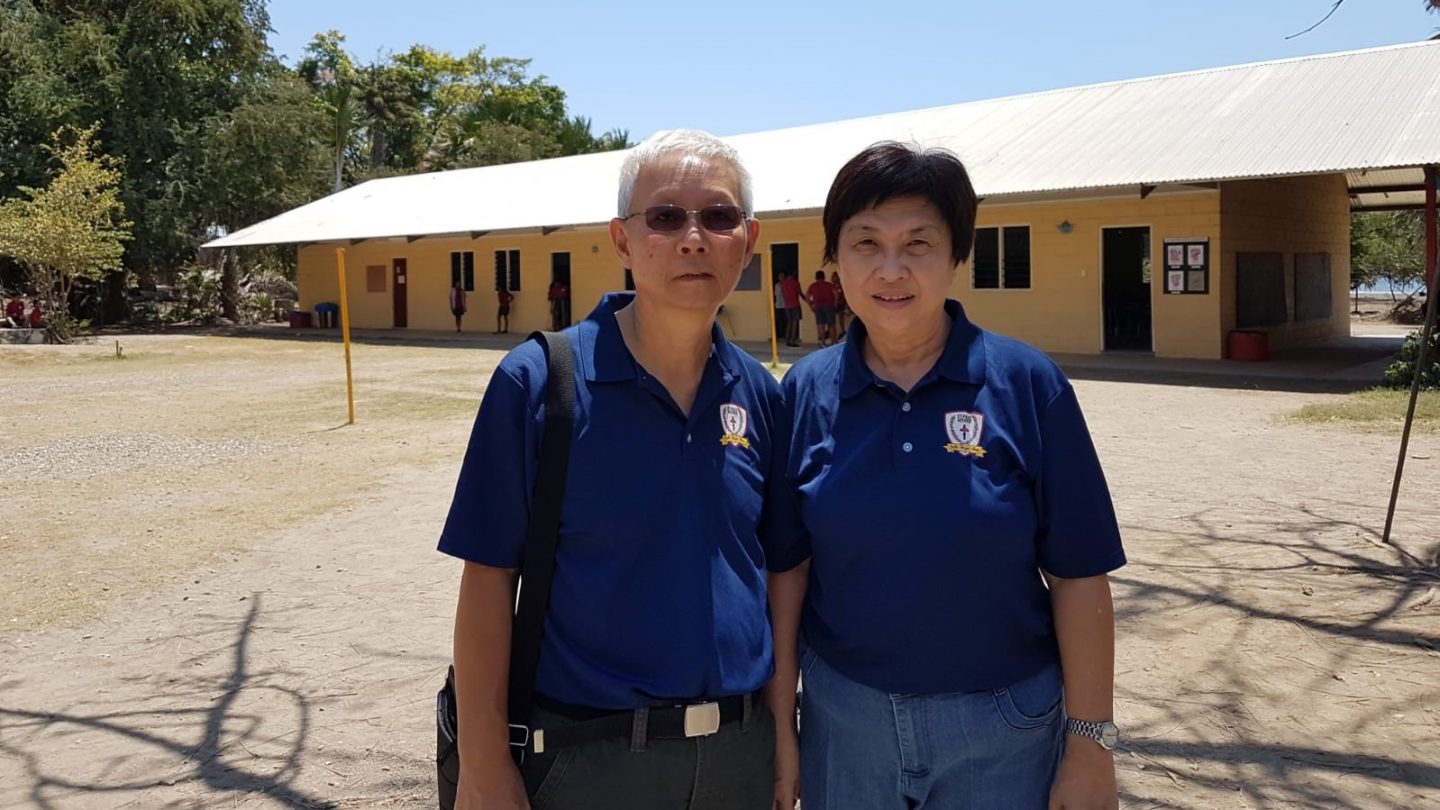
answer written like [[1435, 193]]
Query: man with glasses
[[657, 640]]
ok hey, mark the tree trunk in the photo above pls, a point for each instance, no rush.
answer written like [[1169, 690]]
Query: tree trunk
[[230, 284], [377, 147]]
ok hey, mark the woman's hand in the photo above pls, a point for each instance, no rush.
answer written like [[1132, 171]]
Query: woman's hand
[[787, 767], [1086, 780]]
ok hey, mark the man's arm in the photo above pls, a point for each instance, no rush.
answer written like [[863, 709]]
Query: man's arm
[[488, 777]]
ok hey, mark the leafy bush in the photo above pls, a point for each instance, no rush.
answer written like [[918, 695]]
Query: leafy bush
[[1401, 373]]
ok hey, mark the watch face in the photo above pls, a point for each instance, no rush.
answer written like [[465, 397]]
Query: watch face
[[1109, 735]]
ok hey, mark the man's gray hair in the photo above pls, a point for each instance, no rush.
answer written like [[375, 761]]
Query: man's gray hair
[[684, 142]]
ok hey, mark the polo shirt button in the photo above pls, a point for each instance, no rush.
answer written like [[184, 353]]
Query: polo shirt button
[[905, 407], [907, 447], [688, 437]]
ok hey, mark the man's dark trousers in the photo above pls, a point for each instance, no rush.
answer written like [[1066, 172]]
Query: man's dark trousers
[[732, 769]]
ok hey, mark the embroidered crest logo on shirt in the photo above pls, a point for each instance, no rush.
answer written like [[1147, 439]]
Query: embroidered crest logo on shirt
[[734, 420], [964, 429]]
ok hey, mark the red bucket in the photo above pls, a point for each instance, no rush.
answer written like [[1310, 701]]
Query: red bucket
[[1248, 346]]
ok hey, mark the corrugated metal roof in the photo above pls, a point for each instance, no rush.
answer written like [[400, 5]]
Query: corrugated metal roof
[[1360, 113]]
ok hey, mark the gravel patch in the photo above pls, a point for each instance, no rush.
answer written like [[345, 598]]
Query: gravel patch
[[109, 455]]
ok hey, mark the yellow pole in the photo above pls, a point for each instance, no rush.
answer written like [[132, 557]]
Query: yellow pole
[[769, 284], [345, 334]]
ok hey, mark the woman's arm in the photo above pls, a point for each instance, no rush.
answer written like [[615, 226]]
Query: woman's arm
[[787, 594], [1085, 627]]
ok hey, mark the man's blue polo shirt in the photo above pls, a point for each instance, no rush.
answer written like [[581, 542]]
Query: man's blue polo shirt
[[659, 589], [928, 516]]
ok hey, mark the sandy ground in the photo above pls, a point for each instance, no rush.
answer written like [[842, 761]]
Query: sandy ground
[[215, 595]]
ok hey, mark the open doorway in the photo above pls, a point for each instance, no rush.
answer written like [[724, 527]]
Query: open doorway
[[559, 291], [399, 296], [1125, 265]]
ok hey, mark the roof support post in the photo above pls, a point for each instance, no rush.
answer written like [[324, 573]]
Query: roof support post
[[1432, 179], [1422, 359]]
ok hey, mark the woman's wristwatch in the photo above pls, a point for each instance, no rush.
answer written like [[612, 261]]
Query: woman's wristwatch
[[1104, 732]]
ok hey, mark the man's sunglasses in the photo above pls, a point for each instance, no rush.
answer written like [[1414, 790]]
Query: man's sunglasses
[[670, 218]]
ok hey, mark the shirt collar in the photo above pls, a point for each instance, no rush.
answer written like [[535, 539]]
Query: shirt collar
[[962, 359], [606, 358]]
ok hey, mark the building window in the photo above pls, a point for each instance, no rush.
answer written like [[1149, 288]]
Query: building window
[[375, 275], [507, 270], [1001, 258], [462, 269]]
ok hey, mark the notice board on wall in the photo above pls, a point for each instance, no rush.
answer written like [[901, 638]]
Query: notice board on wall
[[1187, 266]]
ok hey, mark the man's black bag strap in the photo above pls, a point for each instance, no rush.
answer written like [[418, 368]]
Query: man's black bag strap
[[538, 568]]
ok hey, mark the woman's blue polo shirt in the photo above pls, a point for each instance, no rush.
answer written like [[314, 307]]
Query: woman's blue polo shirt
[[929, 515], [659, 589]]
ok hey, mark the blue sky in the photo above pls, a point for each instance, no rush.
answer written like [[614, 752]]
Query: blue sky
[[741, 66]]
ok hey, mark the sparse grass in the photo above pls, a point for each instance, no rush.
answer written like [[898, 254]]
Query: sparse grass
[[1378, 410]]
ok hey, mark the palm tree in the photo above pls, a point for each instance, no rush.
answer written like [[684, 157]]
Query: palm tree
[[331, 72]]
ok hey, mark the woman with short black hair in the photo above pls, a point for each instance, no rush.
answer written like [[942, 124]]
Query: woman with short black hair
[[946, 603]]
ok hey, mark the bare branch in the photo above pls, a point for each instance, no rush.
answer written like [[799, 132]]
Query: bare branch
[[1327, 16]]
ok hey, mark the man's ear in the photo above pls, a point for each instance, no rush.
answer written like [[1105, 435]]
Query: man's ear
[[620, 240], [752, 237]]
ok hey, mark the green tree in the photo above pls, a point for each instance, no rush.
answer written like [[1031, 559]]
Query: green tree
[[331, 71], [1388, 245], [74, 228], [257, 161], [390, 107], [147, 74]]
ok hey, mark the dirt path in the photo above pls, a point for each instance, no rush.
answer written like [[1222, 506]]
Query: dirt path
[[220, 600]]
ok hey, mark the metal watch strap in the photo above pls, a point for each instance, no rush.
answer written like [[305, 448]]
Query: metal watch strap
[[1089, 729]]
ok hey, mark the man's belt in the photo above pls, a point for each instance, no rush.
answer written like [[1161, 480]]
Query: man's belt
[[672, 722]]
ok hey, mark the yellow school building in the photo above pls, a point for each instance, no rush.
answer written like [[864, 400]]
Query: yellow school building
[[1155, 215]]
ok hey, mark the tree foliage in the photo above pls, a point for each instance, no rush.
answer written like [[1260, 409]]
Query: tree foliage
[[209, 131], [72, 229], [1388, 245]]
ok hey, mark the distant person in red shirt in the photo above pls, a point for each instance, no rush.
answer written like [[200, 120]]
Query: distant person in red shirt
[[15, 312], [790, 291], [841, 308], [560, 305], [821, 298], [502, 315]]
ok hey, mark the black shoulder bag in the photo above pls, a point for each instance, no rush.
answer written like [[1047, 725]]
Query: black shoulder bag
[[536, 572]]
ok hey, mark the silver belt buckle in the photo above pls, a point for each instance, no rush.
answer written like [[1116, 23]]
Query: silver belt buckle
[[702, 719]]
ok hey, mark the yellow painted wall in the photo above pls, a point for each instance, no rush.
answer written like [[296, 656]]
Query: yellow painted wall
[[593, 271], [1061, 312], [751, 310], [1288, 216]]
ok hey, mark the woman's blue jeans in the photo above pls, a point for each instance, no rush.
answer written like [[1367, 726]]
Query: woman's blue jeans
[[863, 749]]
